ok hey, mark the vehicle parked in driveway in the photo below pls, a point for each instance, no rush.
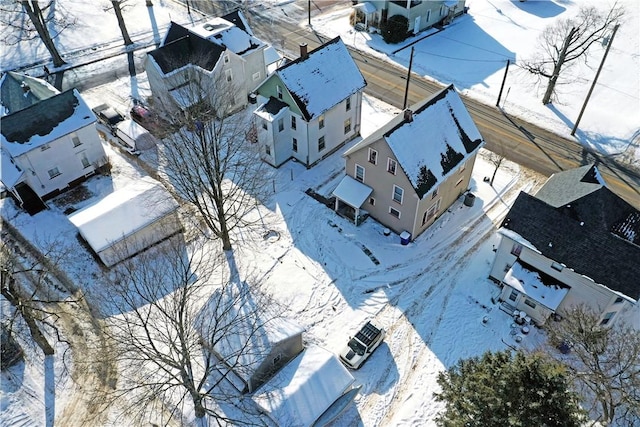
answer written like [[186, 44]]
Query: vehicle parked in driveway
[[360, 347], [108, 116], [149, 120]]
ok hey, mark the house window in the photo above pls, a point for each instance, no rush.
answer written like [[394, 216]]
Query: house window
[[321, 143], [229, 75], [431, 212], [84, 160], [530, 303], [359, 173], [397, 194], [279, 91], [277, 359], [294, 146], [372, 201], [462, 168], [607, 318], [373, 156], [267, 150], [391, 166], [45, 147], [256, 76], [53, 172], [557, 266], [459, 182], [394, 212], [293, 123], [513, 296], [428, 15], [618, 300], [442, 9], [76, 141], [516, 249], [321, 122], [265, 126], [347, 125], [226, 59], [280, 125], [348, 103], [434, 194]]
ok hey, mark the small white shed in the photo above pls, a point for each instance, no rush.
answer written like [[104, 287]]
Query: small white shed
[[304, 389], [128, 220]]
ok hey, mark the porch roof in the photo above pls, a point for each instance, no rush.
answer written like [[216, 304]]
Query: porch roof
[[352, 192], [530, 283], [366, 7]]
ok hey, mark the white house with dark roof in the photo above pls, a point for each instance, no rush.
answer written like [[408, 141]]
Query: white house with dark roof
[[420, 14], [574, 242], [414, 167], [311, 106], [192, 61], [48, 140]]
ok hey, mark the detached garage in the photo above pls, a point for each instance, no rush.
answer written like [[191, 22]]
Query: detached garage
[[128, 221]]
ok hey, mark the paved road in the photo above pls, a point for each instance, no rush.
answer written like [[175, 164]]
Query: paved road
[[519, 141]]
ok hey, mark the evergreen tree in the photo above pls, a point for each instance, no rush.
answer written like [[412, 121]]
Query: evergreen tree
[[506, 389]]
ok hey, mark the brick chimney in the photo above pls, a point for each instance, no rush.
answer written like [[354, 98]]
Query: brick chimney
[[408, 115], [303, 50]]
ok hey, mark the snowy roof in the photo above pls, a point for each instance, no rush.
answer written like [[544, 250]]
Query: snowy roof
[[19, 91], [10, 174], [244, 333], [596, 235], [322, 79], [366, 7], [45, 121], [271, 55], [301, 392], [535, 285], [352, 192], [123, 212], [430, 139], [271, 108], [226, 34]]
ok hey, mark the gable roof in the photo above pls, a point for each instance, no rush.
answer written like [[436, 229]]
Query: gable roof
[[596, 234], [430, 140], [44, 122], [204, 43], [322, 79], [189, 49], [19, 91]]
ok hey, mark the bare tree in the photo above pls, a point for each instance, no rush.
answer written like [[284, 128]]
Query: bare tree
[[118, 6], [42, 18], [210, 161], [168, 317], [567, 41], [495, 158], [26, 284], [605, 361]]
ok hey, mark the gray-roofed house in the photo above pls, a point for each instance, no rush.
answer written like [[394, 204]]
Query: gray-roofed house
[[574, 242], [221, 51], [48, 140], [414, 167], [310, 107]]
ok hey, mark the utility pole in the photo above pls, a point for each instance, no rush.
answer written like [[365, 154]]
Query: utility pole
[[595, 79], [406, 89], [504, 79]]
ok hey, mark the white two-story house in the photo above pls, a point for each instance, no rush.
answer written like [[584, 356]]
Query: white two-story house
[[311, 106], [220, 57], [48, 140], [574, 243]]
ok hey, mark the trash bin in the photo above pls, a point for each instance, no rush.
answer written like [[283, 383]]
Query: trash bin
[[469, 199], [405, 238], [253, 98]]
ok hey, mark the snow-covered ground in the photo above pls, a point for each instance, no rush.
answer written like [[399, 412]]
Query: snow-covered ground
[[430, 295]]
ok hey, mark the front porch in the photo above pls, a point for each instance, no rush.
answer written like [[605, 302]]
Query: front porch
[[350, 196]]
